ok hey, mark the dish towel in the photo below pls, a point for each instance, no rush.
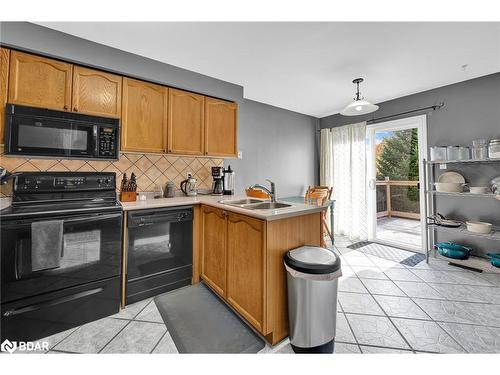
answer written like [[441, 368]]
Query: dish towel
[[46, 244]]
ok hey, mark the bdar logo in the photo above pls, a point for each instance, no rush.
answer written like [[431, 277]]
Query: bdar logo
[[8, 346]]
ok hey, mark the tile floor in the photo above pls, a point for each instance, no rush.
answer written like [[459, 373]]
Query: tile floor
[[383, 307], [399, 230], [137, 329], [387, 307]]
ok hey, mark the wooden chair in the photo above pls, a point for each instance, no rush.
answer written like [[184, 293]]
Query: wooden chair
[[319, 195]]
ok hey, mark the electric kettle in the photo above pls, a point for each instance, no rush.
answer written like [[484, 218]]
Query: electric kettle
[[188, 186]]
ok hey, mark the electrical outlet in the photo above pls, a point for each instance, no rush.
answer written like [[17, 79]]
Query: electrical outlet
[[442, 166], [240, 154], [189, 175]]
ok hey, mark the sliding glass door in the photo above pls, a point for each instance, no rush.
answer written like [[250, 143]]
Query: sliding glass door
[[396, 150]]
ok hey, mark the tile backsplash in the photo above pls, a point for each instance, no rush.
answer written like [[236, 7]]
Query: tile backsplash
[[150, 169]]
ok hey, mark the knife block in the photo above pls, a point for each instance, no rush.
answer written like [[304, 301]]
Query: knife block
[[128, 196]]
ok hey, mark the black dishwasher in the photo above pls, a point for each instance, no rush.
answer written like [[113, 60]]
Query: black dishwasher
[[159, 251]]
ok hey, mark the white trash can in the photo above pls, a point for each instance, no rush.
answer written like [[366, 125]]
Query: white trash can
[[312, 280]]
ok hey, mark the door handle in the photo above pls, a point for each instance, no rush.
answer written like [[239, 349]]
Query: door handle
[[372, 184]]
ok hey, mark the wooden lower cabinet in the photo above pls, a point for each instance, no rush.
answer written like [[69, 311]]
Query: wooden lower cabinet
[[242, 261], [246, 268], [283, 235], [213, 248]]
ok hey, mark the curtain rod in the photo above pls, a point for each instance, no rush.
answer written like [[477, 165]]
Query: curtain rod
[[432, 107]]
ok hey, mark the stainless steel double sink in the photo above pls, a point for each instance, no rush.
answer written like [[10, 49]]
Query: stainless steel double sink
[[256, 204]]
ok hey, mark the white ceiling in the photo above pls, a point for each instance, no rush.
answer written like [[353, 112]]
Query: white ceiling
[[308, 67]]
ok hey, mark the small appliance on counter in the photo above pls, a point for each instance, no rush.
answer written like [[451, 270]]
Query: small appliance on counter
[[128, 188], [218, 183], [188, 186], [229, 181]]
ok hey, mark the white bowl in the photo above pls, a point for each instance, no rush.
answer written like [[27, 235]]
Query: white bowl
[[449, 187], [478, 189], [478, 227]]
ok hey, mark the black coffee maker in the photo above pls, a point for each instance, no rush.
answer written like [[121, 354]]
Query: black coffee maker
[[218, 184]]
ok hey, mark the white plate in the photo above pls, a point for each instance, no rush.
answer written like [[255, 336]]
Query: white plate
[[454, 177]]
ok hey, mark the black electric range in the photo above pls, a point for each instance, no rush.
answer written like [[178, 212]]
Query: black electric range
[[61, 253]]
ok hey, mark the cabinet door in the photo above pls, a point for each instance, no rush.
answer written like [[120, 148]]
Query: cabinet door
[[213, 249], [246, 268], [96, 93], [144, 116], [185, 122], [39, 82], [4, 81], [220, 128]]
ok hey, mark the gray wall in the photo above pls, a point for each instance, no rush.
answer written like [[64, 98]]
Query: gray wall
[[276, 143], [38, 39], [472, 110]]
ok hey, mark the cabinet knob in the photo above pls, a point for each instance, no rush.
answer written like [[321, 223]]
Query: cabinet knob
[[75, 109], [65, 107]]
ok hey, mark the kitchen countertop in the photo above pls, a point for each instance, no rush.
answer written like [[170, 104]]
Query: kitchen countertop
[[297, 209]]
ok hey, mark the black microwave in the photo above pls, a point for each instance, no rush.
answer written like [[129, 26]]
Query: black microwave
[[38, 132]]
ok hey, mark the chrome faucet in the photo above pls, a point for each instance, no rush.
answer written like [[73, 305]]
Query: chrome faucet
[[271, 192]]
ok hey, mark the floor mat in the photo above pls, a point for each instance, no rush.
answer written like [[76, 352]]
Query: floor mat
[[199, 322], [408, 258]]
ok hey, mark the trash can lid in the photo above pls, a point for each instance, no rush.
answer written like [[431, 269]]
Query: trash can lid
[[312, 259]]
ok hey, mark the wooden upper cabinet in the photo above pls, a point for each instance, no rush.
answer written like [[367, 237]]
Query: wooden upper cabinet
[[39, 82], [185, 122], [246, 272], [144, 116], [220, 128], [96, 93], [4, 84], [213, 249]]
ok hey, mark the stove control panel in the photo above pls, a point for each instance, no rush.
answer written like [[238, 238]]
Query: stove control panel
[[63, 181]]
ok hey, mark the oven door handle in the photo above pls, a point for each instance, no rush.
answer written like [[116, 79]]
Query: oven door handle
[[92, 218], [77, 219], [54, 302]]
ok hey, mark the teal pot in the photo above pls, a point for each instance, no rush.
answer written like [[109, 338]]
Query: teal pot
[[452, 250], [494, 259]]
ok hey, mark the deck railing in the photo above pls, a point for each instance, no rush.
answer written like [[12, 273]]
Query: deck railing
[[388, 208]]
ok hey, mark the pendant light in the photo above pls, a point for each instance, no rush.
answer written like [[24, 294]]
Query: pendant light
[[359, 106]]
